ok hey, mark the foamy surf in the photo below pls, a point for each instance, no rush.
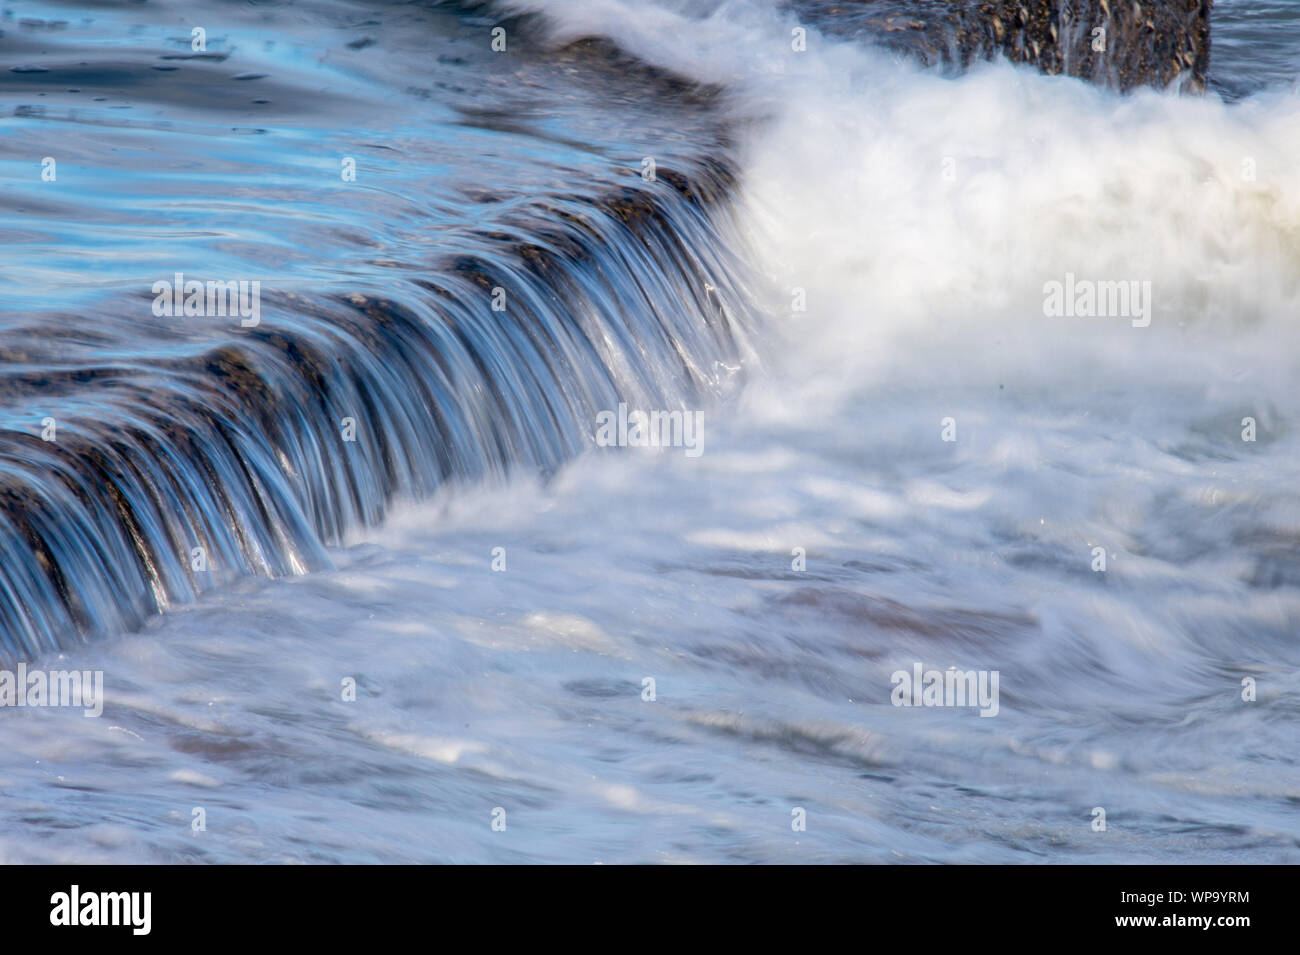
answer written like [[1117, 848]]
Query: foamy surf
[[935, 467]]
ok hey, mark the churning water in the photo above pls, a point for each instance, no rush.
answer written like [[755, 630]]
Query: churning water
[[839, 270]]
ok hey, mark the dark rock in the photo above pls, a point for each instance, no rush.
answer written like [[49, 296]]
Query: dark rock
[[1144, 43]]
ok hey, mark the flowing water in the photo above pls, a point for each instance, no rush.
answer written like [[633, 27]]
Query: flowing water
[[839, 263]]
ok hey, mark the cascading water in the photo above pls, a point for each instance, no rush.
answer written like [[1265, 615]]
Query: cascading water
[[137, 478], [652, 655]]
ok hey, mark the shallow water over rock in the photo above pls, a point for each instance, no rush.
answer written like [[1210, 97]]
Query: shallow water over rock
[[468, 614]]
